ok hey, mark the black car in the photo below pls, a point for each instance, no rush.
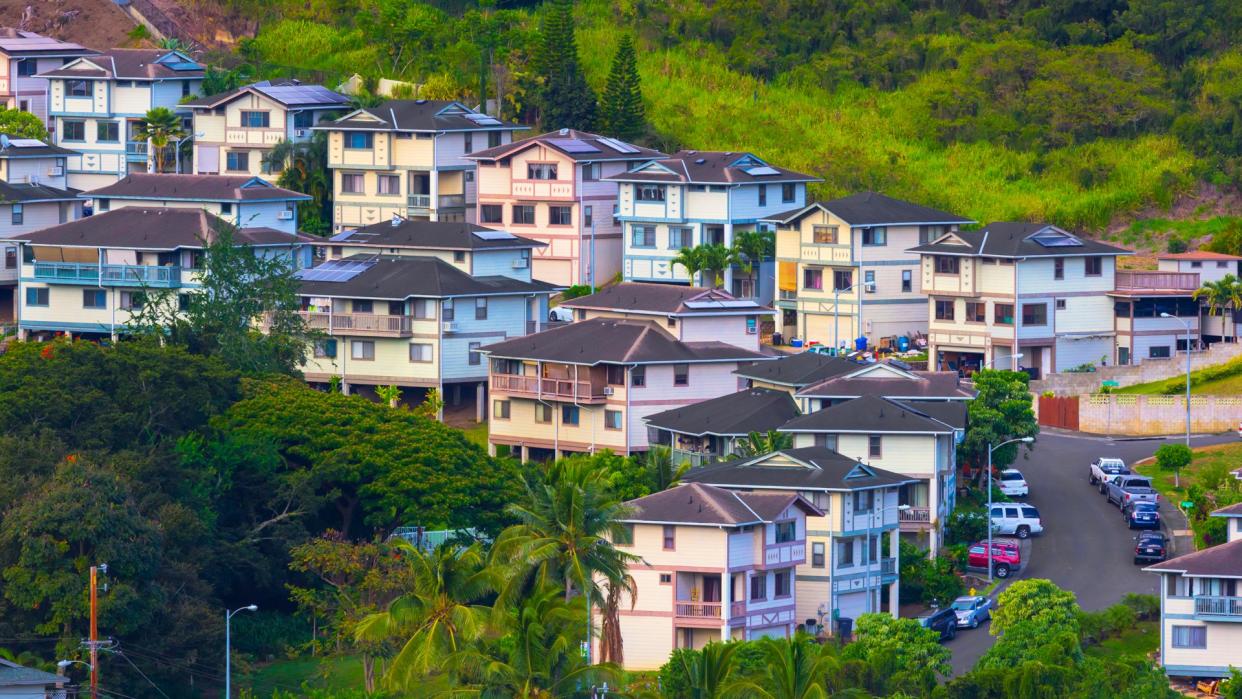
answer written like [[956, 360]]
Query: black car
[[1141, 515], [942, 620], [1150, 547]]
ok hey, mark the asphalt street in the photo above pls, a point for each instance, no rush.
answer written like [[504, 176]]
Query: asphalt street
[[1086, 546]]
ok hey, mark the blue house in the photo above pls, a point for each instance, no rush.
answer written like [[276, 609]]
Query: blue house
[[243, 200]]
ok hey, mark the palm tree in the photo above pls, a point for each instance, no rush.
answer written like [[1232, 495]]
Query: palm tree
[[716, 258], [661, 472], [710, 672], [751, 248], [757, 444], [303, 167], [438, 617], [610, 645], [159, 126], [692, 260], [1220, 295], [798, 668]]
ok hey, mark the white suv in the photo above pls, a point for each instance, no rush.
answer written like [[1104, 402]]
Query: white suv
[[1013, 483], [1017, 519]]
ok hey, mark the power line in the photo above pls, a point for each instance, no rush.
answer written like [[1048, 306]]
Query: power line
[[140, 672]]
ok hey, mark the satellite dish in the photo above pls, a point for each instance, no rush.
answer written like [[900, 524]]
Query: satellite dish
[[4, 141]]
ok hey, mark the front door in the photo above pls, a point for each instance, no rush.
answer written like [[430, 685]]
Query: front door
[[1123, 356]]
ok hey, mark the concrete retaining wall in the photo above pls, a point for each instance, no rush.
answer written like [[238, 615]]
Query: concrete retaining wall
[[1072, 384], [1157, 415]]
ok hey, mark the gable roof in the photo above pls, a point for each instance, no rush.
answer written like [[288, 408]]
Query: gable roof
[[151, 229], [289, 92], [27, 193], [711, 167], [868, 415], [395, 278], [890, 382], [1017, 240], [19, 43], [579, 146], [608, 340], [14, 675], [811, 468], [31, 148], [1222, 560], [708, 505], [872, 209], [419, 115], [798, 370], [432, 235], [130, 64], [666, 299], [953, 413], [735, 414], [228, 188], [1234, 510]]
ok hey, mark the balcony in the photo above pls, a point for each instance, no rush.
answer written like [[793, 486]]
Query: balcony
[[365, 324], [452, 201], [697, 610], [136, 148], [784, 554], [915, 519], [557, 389], [1156, 281], [108, 275], [1218, 608], [694, 458], [419, 201]]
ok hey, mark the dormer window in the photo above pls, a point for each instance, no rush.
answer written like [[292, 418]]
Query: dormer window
[[946, 264], [541, 171], [649, 192], [78, 88], [358, 140]]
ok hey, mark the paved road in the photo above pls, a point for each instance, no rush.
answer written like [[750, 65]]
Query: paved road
[[1085, 547]]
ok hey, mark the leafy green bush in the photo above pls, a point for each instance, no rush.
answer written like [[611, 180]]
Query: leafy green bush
[[966, 526], [1177, 386], [1146, 607], [926, 580], [1173, 457], [576, 291], [268, 633]]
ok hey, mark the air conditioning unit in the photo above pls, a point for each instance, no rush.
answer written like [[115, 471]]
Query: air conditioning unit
[[751, 330], [519, 263], [56, 172], [285, 215], [299, 132], [450, 326], [608, 390]]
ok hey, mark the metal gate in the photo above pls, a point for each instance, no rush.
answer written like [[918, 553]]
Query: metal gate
[[1059, 411]]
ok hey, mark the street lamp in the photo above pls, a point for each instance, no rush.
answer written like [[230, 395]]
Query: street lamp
[[227, 650], [1188, 339], [836, 313], [1025, 440], [1014, 364], [870, 562]]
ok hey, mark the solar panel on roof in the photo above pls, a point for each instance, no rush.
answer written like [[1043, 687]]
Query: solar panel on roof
[[1053, 238], [762, 170], [26, 142], [616, 145], [573, 145], [335, 271], [483, 119], [494, 235]]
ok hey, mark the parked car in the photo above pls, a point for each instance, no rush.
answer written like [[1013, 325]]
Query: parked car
[[972, 610], [1006, 557], [1104, 469], [560, 315], [1150, 547], [1141, 515], [942, 620], [1013, 483], [1018, 519], [1126, 489]]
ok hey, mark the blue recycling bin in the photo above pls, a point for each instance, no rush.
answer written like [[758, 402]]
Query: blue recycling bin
[[903, 344], [860, 344]]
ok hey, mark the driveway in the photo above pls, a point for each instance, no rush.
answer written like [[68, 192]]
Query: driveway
[[1086, 547]]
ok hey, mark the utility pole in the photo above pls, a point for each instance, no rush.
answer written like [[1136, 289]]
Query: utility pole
[[94, 644]]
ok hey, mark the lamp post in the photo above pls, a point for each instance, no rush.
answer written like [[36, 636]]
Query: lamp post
[[1188, 340], [1013, 366], [228, 659], [867, 552], [836, 313], [1025, 440]]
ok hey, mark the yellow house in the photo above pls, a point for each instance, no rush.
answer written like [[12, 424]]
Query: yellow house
[[844, 269], [715, 565], [408, 158]]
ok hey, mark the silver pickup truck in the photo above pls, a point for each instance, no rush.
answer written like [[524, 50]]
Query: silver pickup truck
[[1123, 490]]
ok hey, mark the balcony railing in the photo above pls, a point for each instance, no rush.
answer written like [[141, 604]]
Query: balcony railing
[[553, 388], [694, 458], [787, 295], [787, 553], [449, 201], [914, 518], [1176, 281], [1219, 607], [135, 147], [108, 275], [698, 610], [737, 609], [359, 323], [419, 201]]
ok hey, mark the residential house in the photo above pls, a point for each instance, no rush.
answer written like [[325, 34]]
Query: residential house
[[852, 549], [694, 198], [715, 565], [1201, 606], [90, 276], [23, 56], [794, 372], [588, 385], [236, 130], [887, 380], [1018, 288], [1219, 324], [242, 200], [554, 188], [1141, 300], [408, 158], [837, 258], [712, 429], [18, 682], [97, 104]]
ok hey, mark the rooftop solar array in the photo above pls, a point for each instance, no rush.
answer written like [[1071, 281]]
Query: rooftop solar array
[[762, 170], [494, 235], [26, 142], [573, 145], [483, 119], [1053, 238], [616, 145], [335, 271], [302, 94]]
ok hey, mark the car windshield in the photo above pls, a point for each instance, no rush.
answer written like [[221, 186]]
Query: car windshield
[[1015, 476], [1146, 507], [963, 605]]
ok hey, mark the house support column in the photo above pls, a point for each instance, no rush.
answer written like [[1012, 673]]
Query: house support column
[[344, 387], [525, 453], [894, 598], [434, 189], [491, 449], [480, 402], [726, 606]]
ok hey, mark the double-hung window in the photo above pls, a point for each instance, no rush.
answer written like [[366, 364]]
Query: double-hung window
[[358, 140], [389, 185], [813, 278], [763, 195], [1190, 637], [649, 192], [420, 352], [876, 235], [642, 236], [944, 309], [18, 214], [560, 216], [679, 237], [239, 161], [681, 374], [541, 171], [107, 132], [256, 120], [524, 214], [789, 192]]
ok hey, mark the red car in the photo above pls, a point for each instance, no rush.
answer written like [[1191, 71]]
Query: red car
[[1006, 557]]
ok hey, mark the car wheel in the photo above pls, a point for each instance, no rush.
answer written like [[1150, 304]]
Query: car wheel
[[1002, 571], [1092, 479], [1137, 561], [974, 622], [1023, 532], [952, 632]]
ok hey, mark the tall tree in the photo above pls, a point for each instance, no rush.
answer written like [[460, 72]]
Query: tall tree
[[160, 125], [621, 110], [716, 259], [757, 444], [1001, 411], [750, 249], [303, 167], [566, 100]]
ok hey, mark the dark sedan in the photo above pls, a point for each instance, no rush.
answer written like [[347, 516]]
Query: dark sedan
[[943, 621], [1142, 515], [1150, 547]]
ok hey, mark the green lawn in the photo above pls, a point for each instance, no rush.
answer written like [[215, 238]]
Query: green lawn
[[477, 434], [1136, 643], [316, 673], [1227, 385], [1228, 454]]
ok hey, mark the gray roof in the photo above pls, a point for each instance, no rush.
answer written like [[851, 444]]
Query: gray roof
[[707, 505], [580, 146], [32, 148], [799, 369], [134, 64], [666, 299], [873, 209], [395, 278], [1018, 240], [231, 188], [19, 43], [432, 235], [151, 229], [735, 414], [420, 115], [951, 412], [14, 675], [712, 167], [1234, 510], [927, 385], [1222, 560], [34, 193], [867, 414], [821, 469], [287, 91], [607, 340]]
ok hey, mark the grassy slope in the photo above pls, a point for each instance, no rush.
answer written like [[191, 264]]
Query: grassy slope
[[1229, 454], [1134, 644], [316, 673], [1228, 385]]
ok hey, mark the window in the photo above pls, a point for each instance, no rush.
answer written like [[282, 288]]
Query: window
[[94, 298], [500, 409], [27, 68], [560, 216], [474, 356], [18, 214], [185, 88], [389, 185], [10, 258], [944, 310], [239, 161], [845, 554], [612, 419], [469, 148], [363, 306], [569, 414], [1222, 265], [590, 172], [877, 235], [524, 214], [358, 140], [824, 235], [670, 537], [614, 375], [226, 208], [826, 440], [649, 192], [1158, 352], [102, 204], [759, 586], [493, 139], [78, 88], [763, 195], [817, 554], [107, 132], [420, 352], [351, 182], [325, 348], [588, 219], [303, 120], [1034, 314], [23, 105], [863, 500], [875, 446], [789, 192], [362, 350], [812, 278], [786, 532], [642, 236], [679, 237], [907, 281], [976, 312], [638, 376], [947, 265], [256, 120], [480, 308], [1093, 266], [869, 282], [930, 233], [73, 130], [492, 213], [1190, 637], [625, 536], [1060, 304], [666, 578], [541, 171], [781, 583], [1002, 314], [543, 413], [1196, 265], [37, 297], [681, 374]]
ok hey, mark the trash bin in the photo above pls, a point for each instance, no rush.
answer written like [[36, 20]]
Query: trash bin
[[860, 344], [778, 339], [903, 344], [845, 627]]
